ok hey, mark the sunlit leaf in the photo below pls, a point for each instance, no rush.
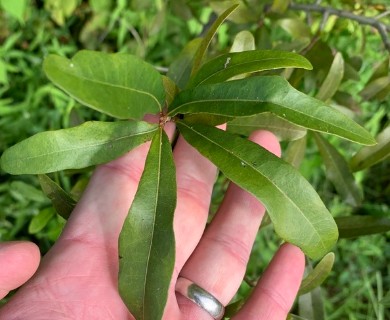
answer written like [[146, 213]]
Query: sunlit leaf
[[15, 8], [280, 6], [109, 83], [180, 69], [338, 172], [318, 275], [147, 243], [232, 64], [208, 37], [40, 221], [297, 212], [243, 41], [284, 130], [62, 202], [368, 156], [333, 79], [356, 226], [79, 147], [254, 95]]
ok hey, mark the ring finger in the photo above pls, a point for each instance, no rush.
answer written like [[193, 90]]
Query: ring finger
[[219, 262]]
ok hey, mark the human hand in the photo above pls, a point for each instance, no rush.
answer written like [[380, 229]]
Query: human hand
[[77, 279]]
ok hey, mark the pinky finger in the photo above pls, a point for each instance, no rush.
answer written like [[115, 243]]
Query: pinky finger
[[275, 292]]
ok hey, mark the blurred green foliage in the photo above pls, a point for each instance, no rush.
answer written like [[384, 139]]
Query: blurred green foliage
[[157, 30]]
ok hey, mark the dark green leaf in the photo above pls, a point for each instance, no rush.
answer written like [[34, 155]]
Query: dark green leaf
[[147, 243], [273, 94], [120, 85], [368, 156], [284, 130], [180, 69], [40, 220], [232, 64], [333, 79], [297, 212], [79, 147], [386, 300], [318, 275], [338, 172], [356, 226], [208, 37], [62, 202]]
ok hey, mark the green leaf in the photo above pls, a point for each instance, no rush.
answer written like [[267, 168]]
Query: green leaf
[[62, 202], [378, 89], [386, 300], [284, 130], [170, 89], [333, 79], [243, 41], [280, 6], [356, 226], [297, 212], [295, 152], [318, 275], [147, 243], [120, 85], [40, 220], [295, 27], [232, 64], [311, 305], [208, 37], [368, 156], [180, 69], [79, 147], [291, 316], [338, 172], [240, 98], [15, 8], [3, 72]]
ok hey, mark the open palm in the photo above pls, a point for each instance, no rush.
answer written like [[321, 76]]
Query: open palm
[[77, 279]]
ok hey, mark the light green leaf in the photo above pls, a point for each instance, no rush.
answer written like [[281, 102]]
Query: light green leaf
[[79, 147], [295, 152], [311, 305], [368, 156], [291, 316], [180, 69], [333, 79], [40, 220], [208, 37], [232, 64], [295, 27], [280, 6], [60, 10], [386, 300], [356, 226], [254, 95], [243, 14], [378, 89], [284, 130], [147, 243], [3, 72], [297, 212], [338, 172], [15, 8], [318, 275], [26, 192], [62, 202], [243, 41], [120, 85]]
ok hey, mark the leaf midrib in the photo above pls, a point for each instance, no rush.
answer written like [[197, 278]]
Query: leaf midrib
[[253, 168]]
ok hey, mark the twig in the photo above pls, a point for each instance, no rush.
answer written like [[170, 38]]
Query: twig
[[382, 28]]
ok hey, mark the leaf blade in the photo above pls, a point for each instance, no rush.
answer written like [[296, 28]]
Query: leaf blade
[[147, 243], [109, 83], [88, 144], [241, 98], [239, 160]]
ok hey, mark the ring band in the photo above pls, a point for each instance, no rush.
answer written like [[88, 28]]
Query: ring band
[[201, 297]]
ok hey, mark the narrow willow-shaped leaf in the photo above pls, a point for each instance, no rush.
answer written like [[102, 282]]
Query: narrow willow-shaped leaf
[[386, 300], [254, 95], [120, 85], [318, 275], [79, 147], [338, 172], [333, 79], [147, 243], [311, 305], [356, 226], [208, 37], [40, 221], [295, 152], [368, 156], [284, 130], [62, 202], [232, 64], [180, 69], [297, 212], [291, 316]]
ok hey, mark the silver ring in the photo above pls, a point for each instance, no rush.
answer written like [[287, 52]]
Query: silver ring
[[201, 297]]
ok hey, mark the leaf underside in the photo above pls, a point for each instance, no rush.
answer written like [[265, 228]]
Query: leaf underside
[[297, 212], [147, 243]]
